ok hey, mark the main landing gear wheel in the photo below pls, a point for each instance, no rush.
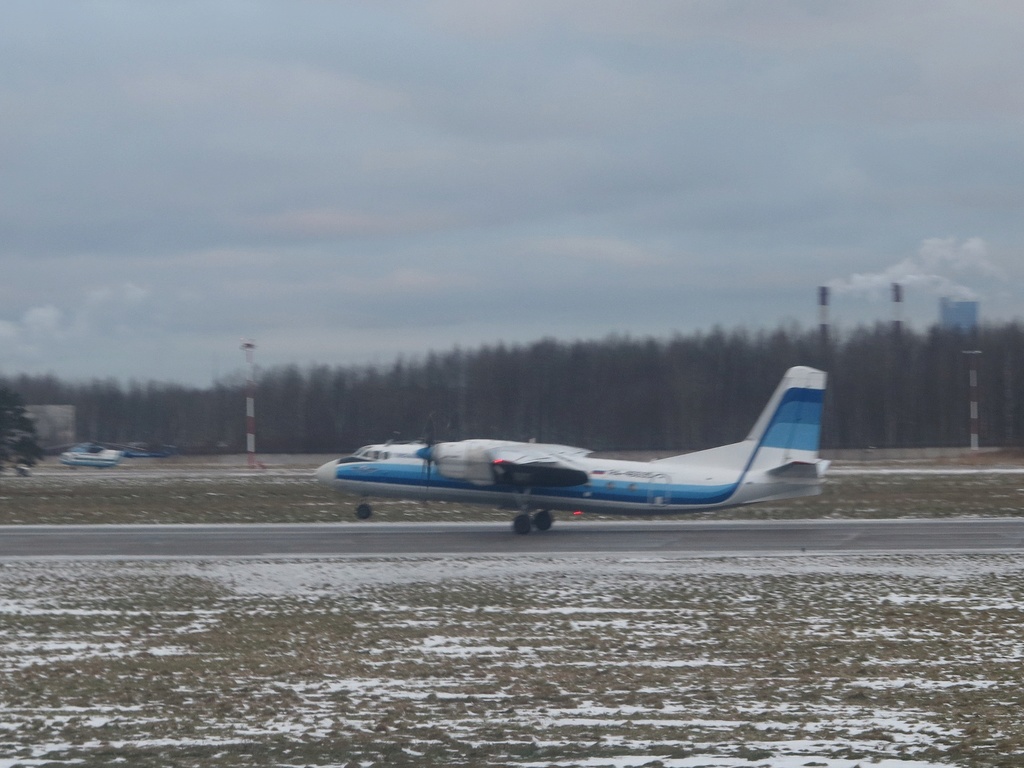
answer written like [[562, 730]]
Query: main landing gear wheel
[[363, 511], [523, 523]]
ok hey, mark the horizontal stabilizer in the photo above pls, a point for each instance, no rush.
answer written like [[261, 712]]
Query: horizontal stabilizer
[[800, 470]]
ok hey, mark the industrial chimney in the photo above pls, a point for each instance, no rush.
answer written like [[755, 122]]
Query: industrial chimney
[[897, 309], [823, 314]]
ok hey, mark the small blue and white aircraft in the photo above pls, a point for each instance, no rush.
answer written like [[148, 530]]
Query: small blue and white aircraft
[[778, 460], [91, 455]]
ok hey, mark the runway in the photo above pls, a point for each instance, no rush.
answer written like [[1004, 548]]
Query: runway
[[677, 538]]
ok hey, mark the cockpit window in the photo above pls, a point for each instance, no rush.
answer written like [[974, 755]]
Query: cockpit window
[[392, 451]]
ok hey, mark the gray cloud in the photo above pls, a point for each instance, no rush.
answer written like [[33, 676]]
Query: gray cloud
[[349, 182]]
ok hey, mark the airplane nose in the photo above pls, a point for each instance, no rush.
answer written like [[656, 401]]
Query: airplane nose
[[325, 474]]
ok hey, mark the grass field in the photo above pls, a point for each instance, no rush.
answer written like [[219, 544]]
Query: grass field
[[57, 496], [826, 661]]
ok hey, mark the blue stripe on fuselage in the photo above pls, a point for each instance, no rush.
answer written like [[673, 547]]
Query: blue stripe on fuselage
[[414, 476]]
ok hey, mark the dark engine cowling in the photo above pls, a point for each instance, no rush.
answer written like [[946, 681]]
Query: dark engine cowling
[[510, 473]]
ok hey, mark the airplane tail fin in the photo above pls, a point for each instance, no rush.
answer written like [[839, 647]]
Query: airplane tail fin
[[787, 433], [784, 437]]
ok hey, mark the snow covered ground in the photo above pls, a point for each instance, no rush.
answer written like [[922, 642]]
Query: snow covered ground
[[709, 662]]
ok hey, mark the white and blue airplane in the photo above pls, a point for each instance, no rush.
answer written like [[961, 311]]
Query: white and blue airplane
[[778, 460]]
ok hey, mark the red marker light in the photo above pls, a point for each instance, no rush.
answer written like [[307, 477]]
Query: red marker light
[[577, 513]]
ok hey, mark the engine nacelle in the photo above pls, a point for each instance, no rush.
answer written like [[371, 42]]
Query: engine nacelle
[[466, 460], [487, 462]]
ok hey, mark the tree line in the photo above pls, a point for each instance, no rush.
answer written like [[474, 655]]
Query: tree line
[[888, 387]]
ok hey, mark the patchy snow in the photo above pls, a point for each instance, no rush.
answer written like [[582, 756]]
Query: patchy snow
[[717, 662], [808, 760]]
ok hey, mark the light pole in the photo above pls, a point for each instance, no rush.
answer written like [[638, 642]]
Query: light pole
[[250, 402], [972, 356]]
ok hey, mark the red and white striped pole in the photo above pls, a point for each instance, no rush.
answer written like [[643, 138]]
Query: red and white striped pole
[[973, 356], [250, 403]]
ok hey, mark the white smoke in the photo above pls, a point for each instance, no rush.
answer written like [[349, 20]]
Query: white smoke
[[938, 268]]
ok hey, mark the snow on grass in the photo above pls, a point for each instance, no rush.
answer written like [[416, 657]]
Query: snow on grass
[[835, 661]]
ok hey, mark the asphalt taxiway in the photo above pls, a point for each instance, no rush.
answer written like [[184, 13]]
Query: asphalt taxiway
[[679, 538]]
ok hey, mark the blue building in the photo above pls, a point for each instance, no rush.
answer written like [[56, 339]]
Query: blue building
[[961, 315]]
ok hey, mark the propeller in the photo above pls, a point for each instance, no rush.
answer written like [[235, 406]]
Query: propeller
[[427, 451]]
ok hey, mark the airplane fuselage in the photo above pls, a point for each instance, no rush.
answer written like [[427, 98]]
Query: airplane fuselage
[[612, 487]]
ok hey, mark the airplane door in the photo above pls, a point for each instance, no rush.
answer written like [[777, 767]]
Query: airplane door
[[659, 491]]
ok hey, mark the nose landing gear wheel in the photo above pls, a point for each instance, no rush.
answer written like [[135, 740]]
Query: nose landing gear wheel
[[363, 511]]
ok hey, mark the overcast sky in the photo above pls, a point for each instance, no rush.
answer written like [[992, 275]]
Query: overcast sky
[[346, 182]]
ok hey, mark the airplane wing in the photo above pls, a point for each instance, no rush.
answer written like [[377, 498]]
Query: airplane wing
[[527, 466]]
